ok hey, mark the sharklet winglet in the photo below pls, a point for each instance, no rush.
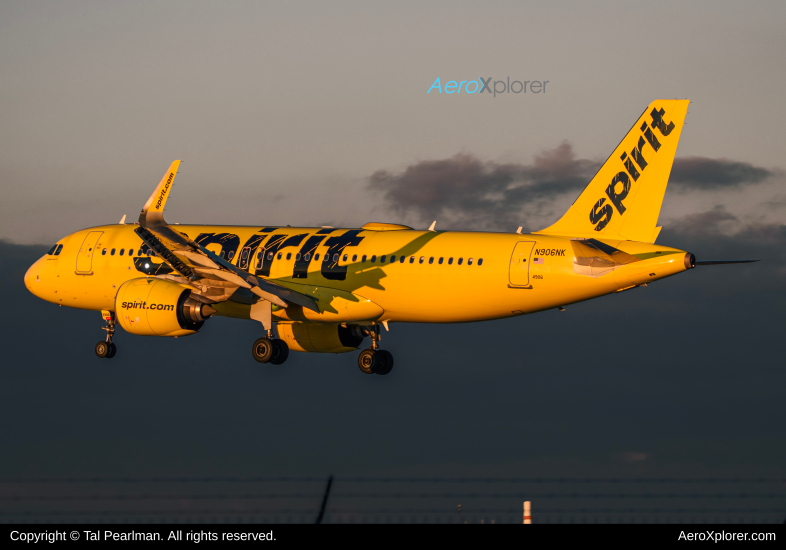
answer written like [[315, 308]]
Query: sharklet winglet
[[153, 211]]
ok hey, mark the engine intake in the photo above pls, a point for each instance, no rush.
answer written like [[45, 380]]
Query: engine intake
[[321, 338], [156, 307]]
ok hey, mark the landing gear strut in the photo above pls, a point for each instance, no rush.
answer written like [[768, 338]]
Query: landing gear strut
[[270, 349], [375, 360], [107, 349]]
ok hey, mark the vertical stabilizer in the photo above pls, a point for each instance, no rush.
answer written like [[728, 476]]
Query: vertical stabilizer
[[624, 198]]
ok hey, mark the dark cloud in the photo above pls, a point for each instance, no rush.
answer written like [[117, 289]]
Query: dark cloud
[[705, 174], [710, 222], [464, 189], [466, 192]]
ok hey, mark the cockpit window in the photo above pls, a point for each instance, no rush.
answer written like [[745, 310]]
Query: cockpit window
[[51, 251], [59, 249]]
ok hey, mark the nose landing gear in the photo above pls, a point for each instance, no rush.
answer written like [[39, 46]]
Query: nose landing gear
[[270, 349], [375, 360], [107, 349]]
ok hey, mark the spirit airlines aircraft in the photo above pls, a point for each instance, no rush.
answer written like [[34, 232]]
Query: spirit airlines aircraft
[[327, 289]]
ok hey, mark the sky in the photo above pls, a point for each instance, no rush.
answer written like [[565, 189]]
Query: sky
[[313, 113], [282, 112]]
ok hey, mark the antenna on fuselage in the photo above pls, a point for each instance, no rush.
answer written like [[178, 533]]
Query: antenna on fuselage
[[123, 220]]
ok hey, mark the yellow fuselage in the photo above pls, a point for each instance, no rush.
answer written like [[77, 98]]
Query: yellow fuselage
[[446, 277]]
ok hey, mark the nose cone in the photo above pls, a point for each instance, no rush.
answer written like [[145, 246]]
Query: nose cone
[[33, 278]]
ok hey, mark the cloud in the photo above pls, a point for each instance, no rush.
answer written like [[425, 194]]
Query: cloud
[[715, 221], [706, 174], [468, 193], [634, 456], [483, 195]]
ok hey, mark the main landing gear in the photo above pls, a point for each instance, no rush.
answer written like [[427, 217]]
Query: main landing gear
[[375, 360], [270, 349], [107, 349]]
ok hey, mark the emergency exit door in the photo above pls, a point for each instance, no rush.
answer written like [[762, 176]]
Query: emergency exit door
[[519, 263]]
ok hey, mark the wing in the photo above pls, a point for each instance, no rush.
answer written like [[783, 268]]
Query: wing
[[212, 278]]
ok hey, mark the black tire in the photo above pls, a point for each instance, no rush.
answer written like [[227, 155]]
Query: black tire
[[387, 362], [280, 352], [112, 351], [102, 349], [263, 350], [368, 361]]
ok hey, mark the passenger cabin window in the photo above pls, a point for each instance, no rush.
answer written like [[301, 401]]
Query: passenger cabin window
[[401, 260], [354, 257], [231, 255], [222, 254], [289, 255], [335, 258], [308, 256], [244, 254], [298, 256], [440, 261], [103, 252], [316, 256], [412, 259], [422, 259], [345, 257], [140, 252], [382, 260], [363, 259], [112, 253], [480, 261], [392, 259], [122, 251], [469, 262], [450, 261], [373, 258], [460, 260], [279, 256], [431, 260], [269, 255]]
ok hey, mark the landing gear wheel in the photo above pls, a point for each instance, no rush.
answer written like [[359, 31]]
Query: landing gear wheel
[[263, 350], [112, 351], [102, 349], [280, 352], [368, 361], [387, 362]]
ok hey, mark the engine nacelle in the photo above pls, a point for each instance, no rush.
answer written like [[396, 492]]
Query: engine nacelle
[[156, 307], [321, 338]]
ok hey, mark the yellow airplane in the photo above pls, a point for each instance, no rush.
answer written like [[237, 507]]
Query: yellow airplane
[[327, 289]]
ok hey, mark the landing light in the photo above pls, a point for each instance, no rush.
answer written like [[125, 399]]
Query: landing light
[[147, 266]]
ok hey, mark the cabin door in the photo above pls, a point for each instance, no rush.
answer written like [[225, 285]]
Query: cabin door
[[519, 263]]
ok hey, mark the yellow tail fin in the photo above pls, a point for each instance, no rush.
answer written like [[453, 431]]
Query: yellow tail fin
[[623, 200]]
